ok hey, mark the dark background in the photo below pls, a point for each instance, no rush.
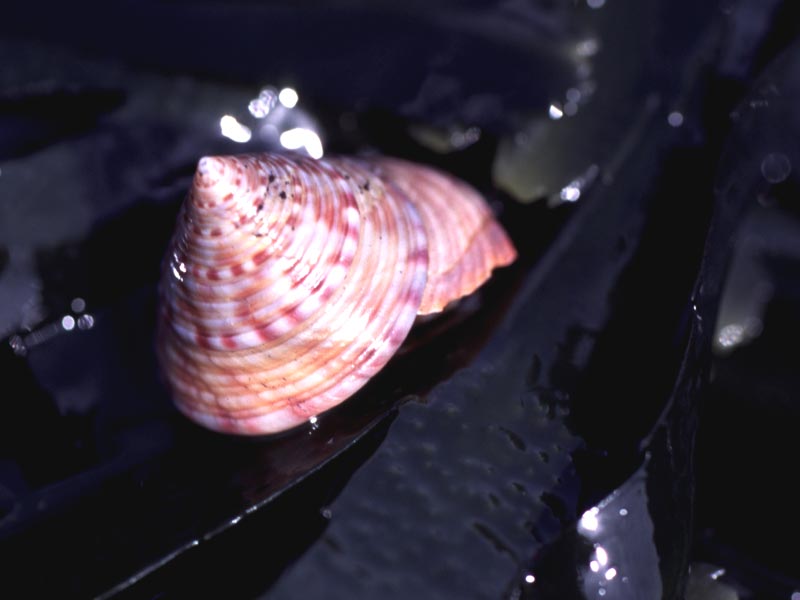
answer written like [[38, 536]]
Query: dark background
[[590, 397]]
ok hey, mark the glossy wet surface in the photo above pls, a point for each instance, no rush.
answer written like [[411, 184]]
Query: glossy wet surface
[[610, 411]]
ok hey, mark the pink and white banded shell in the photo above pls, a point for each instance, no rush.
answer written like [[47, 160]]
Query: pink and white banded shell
[[290, 282]]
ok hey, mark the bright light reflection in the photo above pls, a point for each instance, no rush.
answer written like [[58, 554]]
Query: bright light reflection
[[594, 566], [730, 335], [233, 130], [589, 519], [611, 573], [68, 323], [602, 555], [288, 97], [555, 112], [571, 193], [717, 574], [529, 578], [300, 137]]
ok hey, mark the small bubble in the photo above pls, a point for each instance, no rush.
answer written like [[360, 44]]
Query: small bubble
[[555, 112], [529, 578], [326, 513], [776, 167], [595, 3], [601, 591], [623, 512], [68, 323], [78, 305]]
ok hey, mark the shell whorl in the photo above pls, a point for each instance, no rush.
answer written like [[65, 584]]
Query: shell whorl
[[290, 281]]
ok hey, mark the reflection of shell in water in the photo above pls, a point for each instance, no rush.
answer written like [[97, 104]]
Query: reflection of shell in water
[[290, 282]]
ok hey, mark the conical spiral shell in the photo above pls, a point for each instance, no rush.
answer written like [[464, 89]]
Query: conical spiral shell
[[290, 282]]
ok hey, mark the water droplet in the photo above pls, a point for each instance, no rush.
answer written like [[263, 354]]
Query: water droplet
[[313, 423], [730, 335], [589, 520], [675, 119], [573, 95], [570, 108], [587, 47], [288, 97], [570, 193], [776, 167], [18, 345], [233, 130], [78, 305], [266, 101], [85, 322]]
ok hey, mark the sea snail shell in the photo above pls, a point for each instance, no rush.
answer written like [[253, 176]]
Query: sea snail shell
[[289, 282]]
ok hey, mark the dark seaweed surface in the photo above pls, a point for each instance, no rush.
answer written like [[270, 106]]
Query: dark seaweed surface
[[614, 415]]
